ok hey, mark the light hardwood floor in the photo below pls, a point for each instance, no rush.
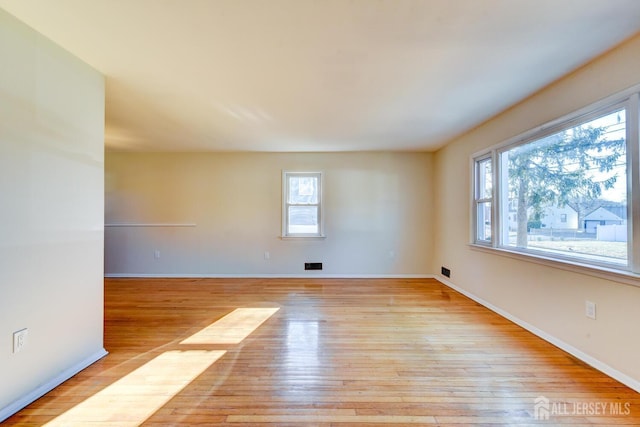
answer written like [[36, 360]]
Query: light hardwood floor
[[321, 352]]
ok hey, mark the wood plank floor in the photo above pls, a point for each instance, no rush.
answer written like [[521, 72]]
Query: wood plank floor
[[323, 353]]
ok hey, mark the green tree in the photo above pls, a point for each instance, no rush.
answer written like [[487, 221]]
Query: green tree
[[559, 170]]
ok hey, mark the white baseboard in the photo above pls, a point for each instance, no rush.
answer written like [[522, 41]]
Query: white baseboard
[[17, 405], [597, 364], [268, 276]]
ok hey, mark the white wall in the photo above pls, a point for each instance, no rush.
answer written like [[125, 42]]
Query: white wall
[[51, 213], [377, 214], [548, 298]]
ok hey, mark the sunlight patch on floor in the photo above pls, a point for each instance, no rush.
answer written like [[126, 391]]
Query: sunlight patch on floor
[[232, 328], [135, 397]]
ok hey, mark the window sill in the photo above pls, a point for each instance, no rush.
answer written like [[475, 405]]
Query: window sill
[[620, 276], [322, 237]]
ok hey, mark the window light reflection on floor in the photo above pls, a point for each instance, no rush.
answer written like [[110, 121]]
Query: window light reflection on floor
[[138, 395], [232, 328], [135, 397]]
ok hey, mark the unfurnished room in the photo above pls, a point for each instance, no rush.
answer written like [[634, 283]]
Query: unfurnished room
[[319, 212]]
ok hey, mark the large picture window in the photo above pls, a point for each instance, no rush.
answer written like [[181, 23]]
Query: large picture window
[[564, 189], [302, 204]]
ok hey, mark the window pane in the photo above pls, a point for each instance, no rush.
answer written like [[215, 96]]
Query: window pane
[[303, 219], [567, 192], [483, 227], [485, 183], [303, 189]]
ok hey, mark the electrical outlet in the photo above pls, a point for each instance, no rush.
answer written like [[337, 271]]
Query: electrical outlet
[[19, 340], [590, 309], [267, 255], [156, 254]]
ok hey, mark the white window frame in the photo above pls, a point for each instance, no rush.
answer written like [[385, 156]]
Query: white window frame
[[628, 99], [478, 198], [285, 204]]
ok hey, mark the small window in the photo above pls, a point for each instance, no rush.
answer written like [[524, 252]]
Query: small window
[[483, 200], [563, 218], [302, 204]]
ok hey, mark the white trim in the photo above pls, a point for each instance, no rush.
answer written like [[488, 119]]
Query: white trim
[[588, 359], [303, 237], [633, 177], [473, 233], [285, 205], [477, 199], [628, 100], [159, 224], [266, 276], [45, 388]]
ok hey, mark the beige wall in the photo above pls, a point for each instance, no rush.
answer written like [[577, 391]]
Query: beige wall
[[378, 214], [51, 213], [548, 298]]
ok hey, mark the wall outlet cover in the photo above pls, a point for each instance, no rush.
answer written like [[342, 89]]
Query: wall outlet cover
[[590, 309], [19, 340]]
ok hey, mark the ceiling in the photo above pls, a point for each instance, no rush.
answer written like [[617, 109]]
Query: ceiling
[[320, 75]]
